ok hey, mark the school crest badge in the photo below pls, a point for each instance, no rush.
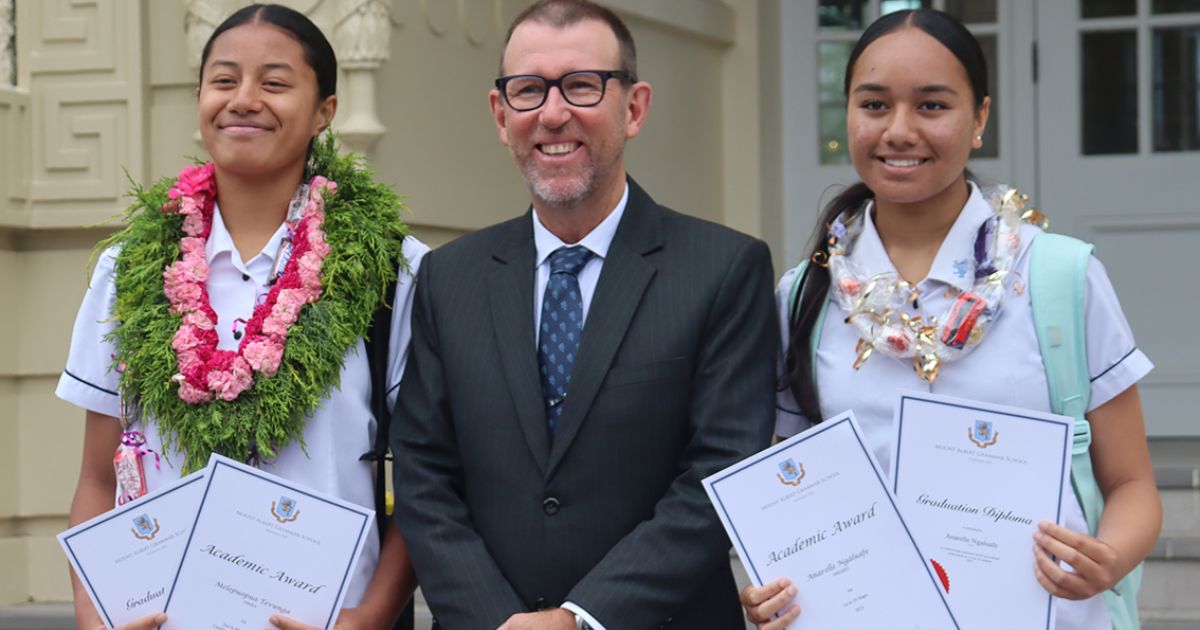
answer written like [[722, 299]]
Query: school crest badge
[[284, 510], [790, 473], [984, 434], [144, 527]]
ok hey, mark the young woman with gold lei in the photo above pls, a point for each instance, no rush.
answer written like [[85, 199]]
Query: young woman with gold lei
[[923, 272]]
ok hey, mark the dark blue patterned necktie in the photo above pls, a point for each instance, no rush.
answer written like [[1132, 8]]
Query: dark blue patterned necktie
[[561, 328]]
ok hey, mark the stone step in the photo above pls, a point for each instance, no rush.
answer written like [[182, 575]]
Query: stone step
[[1167, 582], [1171, 582], [37, 617], [1171, 624], [1181, 511], [62, 617]]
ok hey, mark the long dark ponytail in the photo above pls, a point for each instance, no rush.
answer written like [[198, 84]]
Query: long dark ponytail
[[799, 368], [803, 312]]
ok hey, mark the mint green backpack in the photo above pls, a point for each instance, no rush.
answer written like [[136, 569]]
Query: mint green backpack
[[1057, 284]]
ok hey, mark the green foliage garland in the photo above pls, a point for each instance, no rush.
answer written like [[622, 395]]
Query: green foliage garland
[[365, 234]]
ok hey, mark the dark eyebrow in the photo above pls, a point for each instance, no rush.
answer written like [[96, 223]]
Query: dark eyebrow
[[280, 65], [870, 87], [936, 88], [925, 89]]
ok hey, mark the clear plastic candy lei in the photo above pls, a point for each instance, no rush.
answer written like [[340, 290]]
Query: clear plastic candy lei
[[875, 303]]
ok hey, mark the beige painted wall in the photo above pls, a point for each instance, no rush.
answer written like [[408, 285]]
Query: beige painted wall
[[107, 84]]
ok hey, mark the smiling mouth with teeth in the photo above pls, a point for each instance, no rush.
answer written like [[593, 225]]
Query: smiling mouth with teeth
[[558, 149], [903, 163]]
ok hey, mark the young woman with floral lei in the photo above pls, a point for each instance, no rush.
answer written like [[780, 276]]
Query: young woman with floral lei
[[909, 241], [229, 315]]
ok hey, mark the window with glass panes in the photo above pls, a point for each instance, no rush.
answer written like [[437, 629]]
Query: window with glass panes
[[841, 22], [1140, 80]]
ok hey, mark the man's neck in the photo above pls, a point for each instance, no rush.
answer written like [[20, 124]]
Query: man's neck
[[571, 223]]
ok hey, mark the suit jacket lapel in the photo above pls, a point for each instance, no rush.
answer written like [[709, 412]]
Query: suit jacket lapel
[[623, 279], [510, 293]]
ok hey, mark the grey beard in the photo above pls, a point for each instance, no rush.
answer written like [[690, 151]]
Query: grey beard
[[558, 196]]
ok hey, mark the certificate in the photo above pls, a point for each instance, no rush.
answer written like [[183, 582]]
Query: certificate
[[815, 508], [261, 545], [126, 557], [973, 480]]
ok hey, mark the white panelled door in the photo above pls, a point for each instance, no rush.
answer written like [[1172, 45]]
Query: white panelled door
[[1118, 151]]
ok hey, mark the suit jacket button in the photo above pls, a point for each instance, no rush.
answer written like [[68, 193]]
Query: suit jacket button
[[540, 604], [550, 506]]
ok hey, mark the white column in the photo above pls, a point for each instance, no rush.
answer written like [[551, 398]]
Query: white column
[[362, 34], [201, 20]]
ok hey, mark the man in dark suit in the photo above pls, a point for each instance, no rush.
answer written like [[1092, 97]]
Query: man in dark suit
[[576, 371]]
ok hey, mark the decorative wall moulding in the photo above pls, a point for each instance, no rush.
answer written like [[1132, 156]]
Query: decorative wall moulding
[[714, 20], [440, 15], [81, 69], [71, 37], [362, 34], [505, 12], [83, 143], [476, 19], [14, 141], [200, 19], [8, 53]]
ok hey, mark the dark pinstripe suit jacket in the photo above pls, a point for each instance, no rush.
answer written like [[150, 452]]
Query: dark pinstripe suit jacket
[[673, 381]]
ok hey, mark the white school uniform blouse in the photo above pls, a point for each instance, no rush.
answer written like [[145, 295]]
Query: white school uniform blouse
[[341, 429], [1006, 368]]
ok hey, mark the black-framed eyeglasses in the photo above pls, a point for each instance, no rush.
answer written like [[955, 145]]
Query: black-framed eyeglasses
[[582, 88]]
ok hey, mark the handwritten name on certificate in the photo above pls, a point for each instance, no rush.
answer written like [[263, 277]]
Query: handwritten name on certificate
[[815, 508], [262, 545], [126, 557], [973, 480]]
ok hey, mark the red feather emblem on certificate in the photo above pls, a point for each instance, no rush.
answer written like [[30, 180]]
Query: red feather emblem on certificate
[[941, 573]]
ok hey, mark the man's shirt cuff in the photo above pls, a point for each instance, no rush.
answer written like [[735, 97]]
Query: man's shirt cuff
[[573, 607]]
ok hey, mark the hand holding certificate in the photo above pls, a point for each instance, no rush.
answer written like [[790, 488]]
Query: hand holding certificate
[[262, 546], [973, 481], [815, 508], [227, 547], [126, 558]]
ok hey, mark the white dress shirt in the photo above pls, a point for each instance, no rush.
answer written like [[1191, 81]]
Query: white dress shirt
[[339, 431], [1006, 368], [597, 241]]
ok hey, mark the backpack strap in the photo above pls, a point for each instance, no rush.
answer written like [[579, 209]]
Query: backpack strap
[[1057, 286], [1057, 290], [794, 303], [378, 339]]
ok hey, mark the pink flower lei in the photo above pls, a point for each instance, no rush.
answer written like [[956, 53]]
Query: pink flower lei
[[204, 371]]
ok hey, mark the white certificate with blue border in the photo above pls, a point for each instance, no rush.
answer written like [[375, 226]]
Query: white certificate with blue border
[[126, 558], [262, 545], [815, 508], [973, 480]]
